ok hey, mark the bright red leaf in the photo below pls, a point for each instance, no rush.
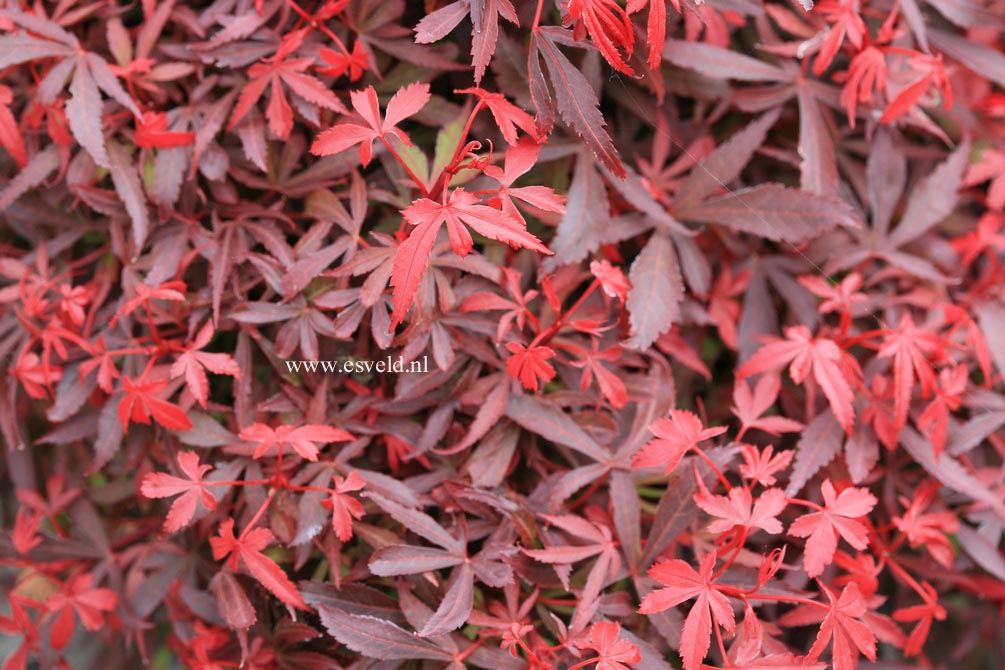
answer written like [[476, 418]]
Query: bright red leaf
[[191, 488]]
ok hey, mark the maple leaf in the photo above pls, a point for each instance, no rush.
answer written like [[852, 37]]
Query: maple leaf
[[508, 117], [682, 584], [739, 509], [194, 363], [924, 614], [602, 545], [140, 403], [723, 309], [803, 352], [612, 279], [91, 76], [19, 623], [36, 376], [459, 210], [928, 529], [24, 536], [866, 74], [58, 497], [841, 298], [611, 386], [656, 26], [842, 625], [530, 364], [191, 488], [172, 291], [989, 167], [78, 595], [613, 651], [520, 158], [608, 26], [934, 420], [674, 437], [909, 346], [406, 102], [761, 465], [484, 22], [516, 305], [247, 550], [356, 62], [152, 133], [987, 238], [746, 654], [838, 518], [749, 406], [304, 440], [276, 72], [10, 134], [344, 507], [932, 74]]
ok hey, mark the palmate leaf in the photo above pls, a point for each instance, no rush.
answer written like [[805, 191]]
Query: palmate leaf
[[246, 549], [460, 211]]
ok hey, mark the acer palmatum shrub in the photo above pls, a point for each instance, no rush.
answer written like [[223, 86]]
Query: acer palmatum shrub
[[712, 293]]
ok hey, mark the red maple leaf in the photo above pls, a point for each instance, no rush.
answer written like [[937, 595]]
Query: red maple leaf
[[277, 71], [656, 26], [192, 488], [934, 420], [928, 529], [612, 279], [806, 353], [356, 62], [909, 346], [10, 134], [761, 465], [749, 406], [304, 440], [608, 26], [406, 102], [613, 653], [172, 290], [989, 167], [932, 73], [459, 211], [611, 386], [247, 550], [24, 536], [194, 363], [924, 614], [674, 437], [836, 518], [78, 595], [140, 403], [508, 117], [344, 507], [35, 375], [530, 364], [58, 497], [152, 133], [520, 158], [740, 510], [19, 623], [988, 237], [683, 584], [842, 625]]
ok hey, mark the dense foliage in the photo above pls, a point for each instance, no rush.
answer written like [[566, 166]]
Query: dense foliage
[[711, 294]]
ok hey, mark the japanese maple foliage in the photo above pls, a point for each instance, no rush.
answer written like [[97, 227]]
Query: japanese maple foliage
[[710, 294]]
